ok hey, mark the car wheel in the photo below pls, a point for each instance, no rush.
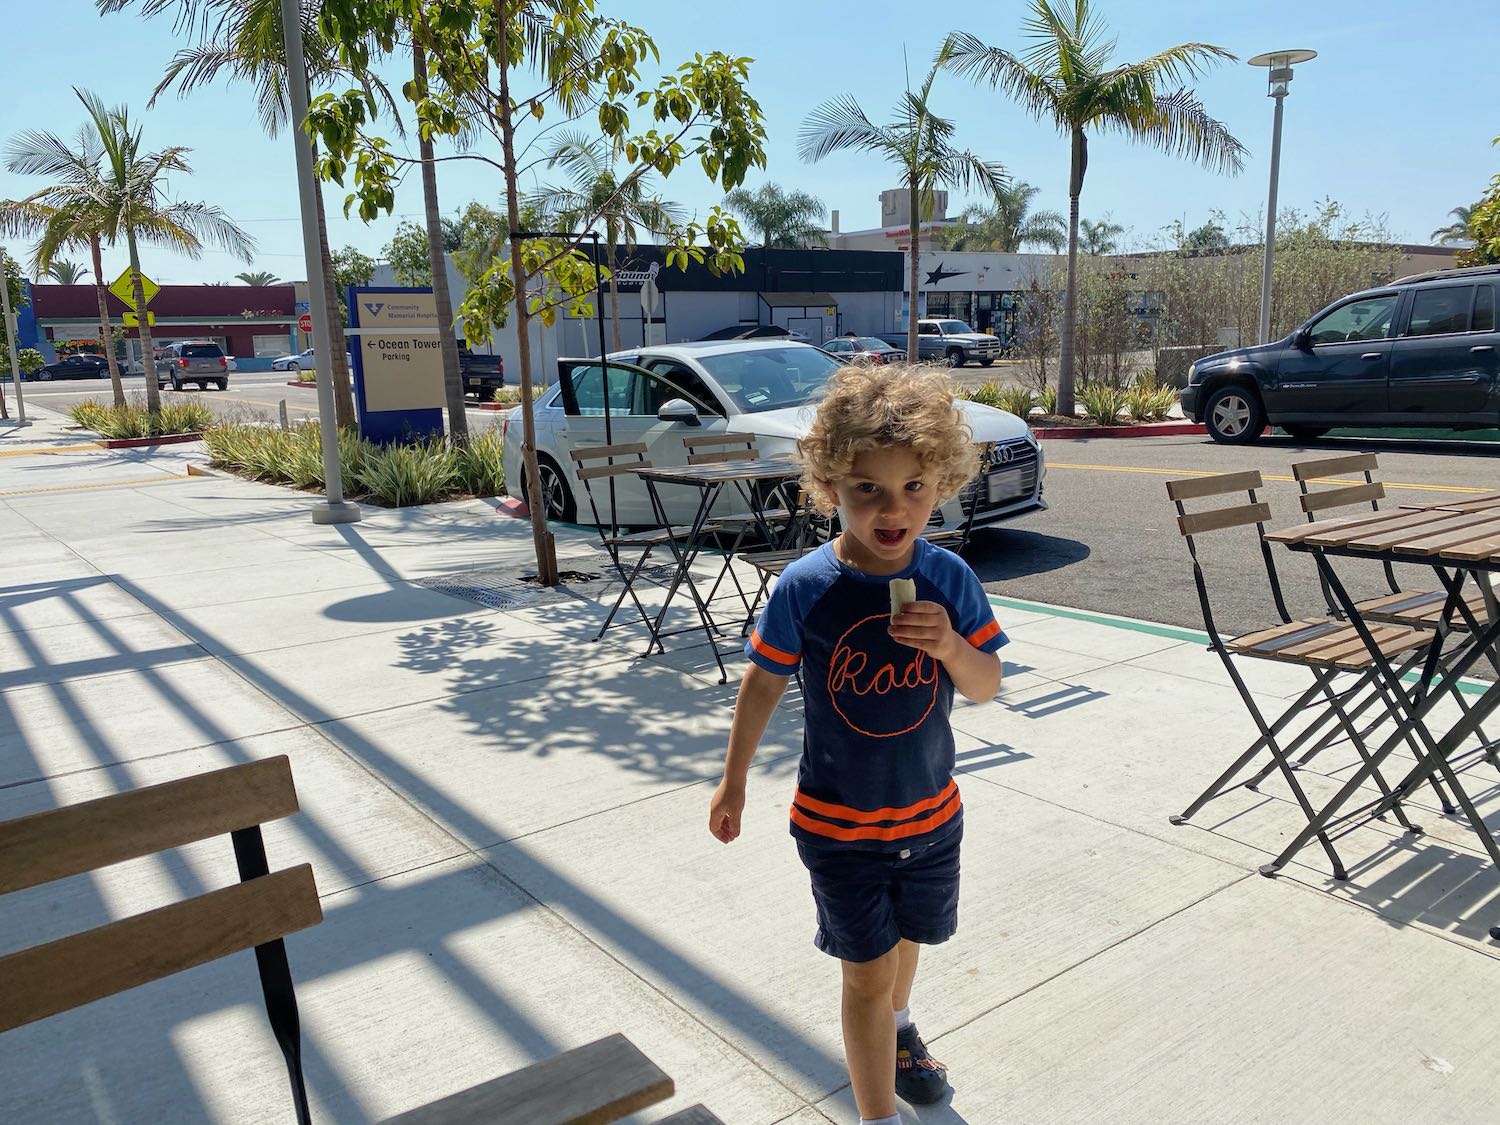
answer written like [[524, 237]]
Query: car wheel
[[176, 383], [560, 504], [222, 384], [955, 357], [985, 362], [1234, 415], [1306, 433], [293, 366]]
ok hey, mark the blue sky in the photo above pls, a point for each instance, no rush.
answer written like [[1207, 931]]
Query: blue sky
[[1394, 117]]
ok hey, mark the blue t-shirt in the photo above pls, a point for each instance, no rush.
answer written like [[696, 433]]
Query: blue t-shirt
[[877, 749]]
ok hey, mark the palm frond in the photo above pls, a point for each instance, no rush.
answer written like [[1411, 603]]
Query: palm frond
[[969, 57], [1178, 124], [840, 125]]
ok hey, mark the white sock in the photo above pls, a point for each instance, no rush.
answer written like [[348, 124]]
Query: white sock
[[903, 1019], [893, 1119]]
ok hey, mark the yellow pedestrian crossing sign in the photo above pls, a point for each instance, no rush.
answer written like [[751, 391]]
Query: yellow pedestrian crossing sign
[[124, 288], [133, 320]]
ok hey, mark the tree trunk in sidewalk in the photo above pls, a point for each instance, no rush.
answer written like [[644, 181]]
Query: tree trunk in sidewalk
[[1065, 387], [106, 336], [343, 397], [148, 357], [453, 386]]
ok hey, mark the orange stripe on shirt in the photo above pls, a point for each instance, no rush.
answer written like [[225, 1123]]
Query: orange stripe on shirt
[[978, 637], [861, 816], [769, 652], [895, 832]]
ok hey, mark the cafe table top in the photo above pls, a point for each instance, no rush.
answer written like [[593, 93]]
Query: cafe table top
[[1435, 535], [723, 472]]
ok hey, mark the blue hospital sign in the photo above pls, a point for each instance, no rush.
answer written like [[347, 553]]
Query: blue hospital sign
[[398, 363]]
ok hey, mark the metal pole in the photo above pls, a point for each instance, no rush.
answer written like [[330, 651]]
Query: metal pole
[[1265, 279], [337, 510], [609, 437], [10, 337]]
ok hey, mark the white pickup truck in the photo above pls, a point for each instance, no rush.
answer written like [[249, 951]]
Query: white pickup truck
[[952, 341]]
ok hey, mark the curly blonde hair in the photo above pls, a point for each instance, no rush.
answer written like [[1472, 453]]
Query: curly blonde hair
[[890, 406]]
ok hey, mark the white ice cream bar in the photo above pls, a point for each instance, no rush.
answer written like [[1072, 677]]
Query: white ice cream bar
[[903, 592]]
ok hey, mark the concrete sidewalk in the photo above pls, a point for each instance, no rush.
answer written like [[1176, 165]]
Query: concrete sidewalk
[[507, 823]]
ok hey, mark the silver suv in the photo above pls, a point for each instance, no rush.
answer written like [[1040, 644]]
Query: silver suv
[[193, 361]]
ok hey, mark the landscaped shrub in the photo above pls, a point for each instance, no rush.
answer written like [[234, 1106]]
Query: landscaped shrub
[[1102, 403], [986, 394], [133, 420], [1047, 400], [307, 376], [409, 474], [480, 466], [511, 396], [1017, 400]]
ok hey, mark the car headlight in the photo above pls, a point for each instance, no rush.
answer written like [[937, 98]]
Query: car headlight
[[1192, 372]]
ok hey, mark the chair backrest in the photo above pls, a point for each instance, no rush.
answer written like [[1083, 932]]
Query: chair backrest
[[1193, 524], [612, 461], [1343, 493], [711, 449], [257, 912]]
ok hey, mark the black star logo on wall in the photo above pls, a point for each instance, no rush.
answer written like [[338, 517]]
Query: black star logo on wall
[[937, 275]]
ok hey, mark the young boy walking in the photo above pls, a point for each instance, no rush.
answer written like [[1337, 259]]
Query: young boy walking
[[876, 815]]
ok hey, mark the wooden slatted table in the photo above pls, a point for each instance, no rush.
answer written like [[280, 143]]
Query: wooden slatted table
[[1461, 541]]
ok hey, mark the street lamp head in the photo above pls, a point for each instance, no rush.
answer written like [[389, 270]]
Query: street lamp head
[[1279, 67]]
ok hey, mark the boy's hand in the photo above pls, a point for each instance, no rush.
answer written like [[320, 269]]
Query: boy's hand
[[925, 626], [724, 812]]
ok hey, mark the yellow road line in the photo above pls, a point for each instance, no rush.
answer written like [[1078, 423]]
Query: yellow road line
[[1205, 473], [90, 487], [50, 449]]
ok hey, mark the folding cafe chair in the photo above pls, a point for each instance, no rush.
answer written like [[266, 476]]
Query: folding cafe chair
[[970, 498], [1326, 646], [594, 467]]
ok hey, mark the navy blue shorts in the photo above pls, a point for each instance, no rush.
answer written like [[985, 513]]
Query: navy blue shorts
[[868, 900]]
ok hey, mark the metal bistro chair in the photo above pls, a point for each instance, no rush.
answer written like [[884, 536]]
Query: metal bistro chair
[[619, 543], [1325, 646]]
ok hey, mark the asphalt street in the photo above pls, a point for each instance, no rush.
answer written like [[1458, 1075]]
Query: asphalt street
[[1109, 542]]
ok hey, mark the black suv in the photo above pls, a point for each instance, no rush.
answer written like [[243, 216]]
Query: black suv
[[1422, 351]]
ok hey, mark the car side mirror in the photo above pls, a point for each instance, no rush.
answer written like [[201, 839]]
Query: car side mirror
[[679, 410], [1302, 339]]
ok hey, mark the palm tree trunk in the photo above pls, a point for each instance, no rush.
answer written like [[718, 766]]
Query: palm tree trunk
[[453, 386], [1065, 400], [106, 336], [546, 551], [343, 397], [912, 353], [138, 290]]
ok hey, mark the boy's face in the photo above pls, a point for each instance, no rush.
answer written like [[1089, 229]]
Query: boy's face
[[885, 501]]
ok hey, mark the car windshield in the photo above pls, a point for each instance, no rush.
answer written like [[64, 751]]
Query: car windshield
[[771, 378], [951, 327]]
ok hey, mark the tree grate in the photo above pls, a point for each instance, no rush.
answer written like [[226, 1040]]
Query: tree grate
[[503, 589]]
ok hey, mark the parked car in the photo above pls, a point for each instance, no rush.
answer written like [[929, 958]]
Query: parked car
[[1420, 352], [80, 366], [303, 361], [766, 388], [195, 361], [756, 332], [483, 374], [863, 349], [951, 341]]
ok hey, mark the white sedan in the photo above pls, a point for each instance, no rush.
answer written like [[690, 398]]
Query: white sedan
[[302, 361], [767, 388]]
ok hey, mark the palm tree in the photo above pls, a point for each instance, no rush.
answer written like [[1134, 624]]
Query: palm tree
[[65, 272], [69, 212], [1458, 232], [1066, 78], [1007, 224], [259, 277], [243, 39], [624, 209], [919, 142], [133, 207], [1098, 239], [779, 218]]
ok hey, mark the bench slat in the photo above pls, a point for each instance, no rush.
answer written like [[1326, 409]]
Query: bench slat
[[1196, 523], [595, 452], [1338, 497], [63, 974], [600, 1082], [1190, 488], [46, 846], [1335, 466]]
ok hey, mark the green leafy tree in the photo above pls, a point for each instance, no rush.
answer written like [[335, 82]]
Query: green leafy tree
[[1483, 223], [258, 277], [918, 142], [65, 272], [1099, 238], [1067, 78], [1458, 232], [788, 219], [481, 54], [407, 253], [595, 193], [1006, 224], [350, 267], [1210, 236]]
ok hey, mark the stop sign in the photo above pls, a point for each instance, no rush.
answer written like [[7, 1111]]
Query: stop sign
[[304, 322]]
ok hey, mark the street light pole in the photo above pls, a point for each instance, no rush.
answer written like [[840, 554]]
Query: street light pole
[[10, 338], [1280, 77], [337, 510]]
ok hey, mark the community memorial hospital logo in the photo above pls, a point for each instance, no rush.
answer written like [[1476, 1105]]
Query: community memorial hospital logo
[[879, 686]]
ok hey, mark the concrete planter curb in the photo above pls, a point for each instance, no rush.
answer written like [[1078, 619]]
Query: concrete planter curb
[[1148, 429], [302, 383], [134, 442]]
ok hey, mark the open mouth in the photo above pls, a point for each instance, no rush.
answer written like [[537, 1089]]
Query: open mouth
[[889, 537]]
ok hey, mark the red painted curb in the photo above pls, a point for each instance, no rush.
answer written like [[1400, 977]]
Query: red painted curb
[[133, 442], [509, 506], [1151, 429], [302, 383]]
